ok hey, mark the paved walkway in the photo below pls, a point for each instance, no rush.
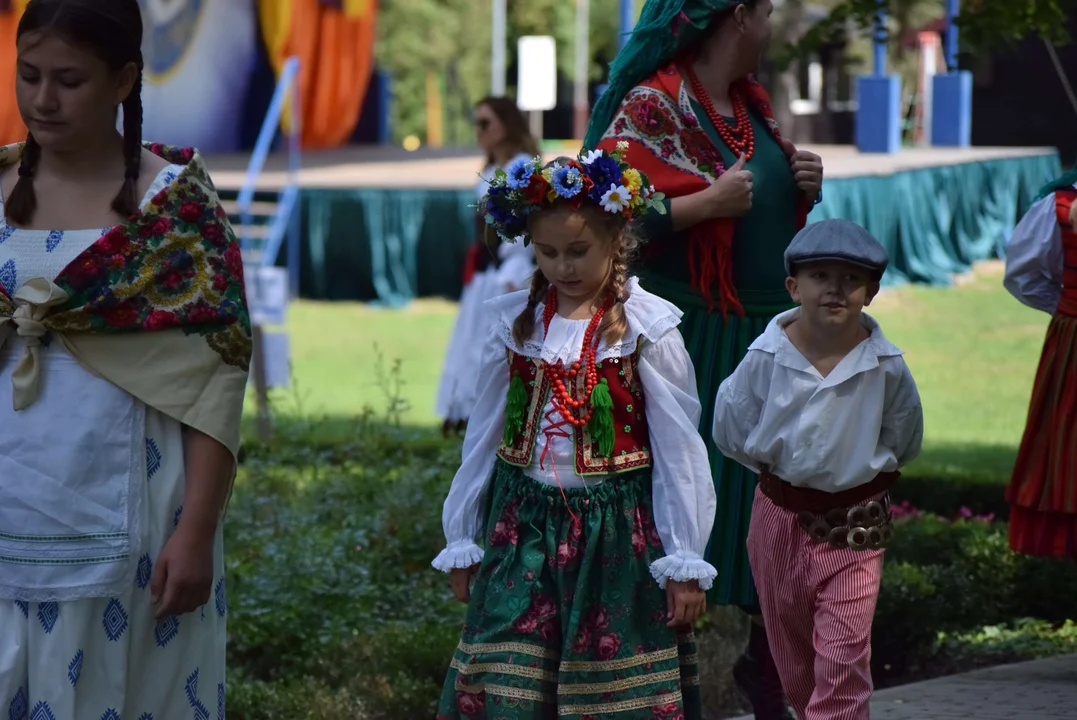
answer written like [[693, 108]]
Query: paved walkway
[[1036, 690]]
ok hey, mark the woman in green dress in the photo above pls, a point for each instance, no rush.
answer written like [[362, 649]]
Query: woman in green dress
[[682, 95]]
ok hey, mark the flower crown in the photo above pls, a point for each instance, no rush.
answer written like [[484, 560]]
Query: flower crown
[[597, 177]]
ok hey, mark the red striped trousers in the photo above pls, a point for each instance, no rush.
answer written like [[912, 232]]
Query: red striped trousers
[[818, 602]]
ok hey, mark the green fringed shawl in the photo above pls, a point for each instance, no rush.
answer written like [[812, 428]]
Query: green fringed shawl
[[665, 28]]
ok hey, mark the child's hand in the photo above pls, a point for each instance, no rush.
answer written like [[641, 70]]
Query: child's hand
[[183, 576], [686, 602], [460, 578]]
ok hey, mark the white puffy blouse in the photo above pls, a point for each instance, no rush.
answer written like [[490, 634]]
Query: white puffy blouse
[[683, 491]]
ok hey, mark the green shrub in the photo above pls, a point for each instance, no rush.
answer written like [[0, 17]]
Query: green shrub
[[331, 594]]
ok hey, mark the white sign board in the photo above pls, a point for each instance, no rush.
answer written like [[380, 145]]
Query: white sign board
[[536, 82], [267, 294]]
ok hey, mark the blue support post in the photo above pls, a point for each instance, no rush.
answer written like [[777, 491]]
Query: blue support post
[[951, 119], [878, 114], [295, 163], [628, 19]]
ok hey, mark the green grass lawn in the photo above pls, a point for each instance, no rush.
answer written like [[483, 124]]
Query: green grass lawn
[[972, 348]]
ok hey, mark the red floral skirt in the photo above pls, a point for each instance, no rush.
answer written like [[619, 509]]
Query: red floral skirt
[[1043, 490]]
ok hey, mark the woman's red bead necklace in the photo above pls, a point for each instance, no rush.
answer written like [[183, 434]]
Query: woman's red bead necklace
[[739, 137], [561, 379]]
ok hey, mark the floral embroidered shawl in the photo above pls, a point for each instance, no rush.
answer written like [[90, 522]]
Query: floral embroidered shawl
[[156, 306], [667, 143]]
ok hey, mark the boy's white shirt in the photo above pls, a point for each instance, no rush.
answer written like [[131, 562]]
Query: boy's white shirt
[[683, 492], [831, 433]]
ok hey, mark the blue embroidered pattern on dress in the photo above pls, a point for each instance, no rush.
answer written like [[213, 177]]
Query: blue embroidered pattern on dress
[[25, 607], [6, 233], [176, 518], [145, 572], [167, 629], [74, 670], [220, 600], [42, 711], [200, 711], [18, 707], [48, 613], [114, 620], [55, 238], [220, 701], [8, 276], [145, 716], [153, 458], [110, 714]]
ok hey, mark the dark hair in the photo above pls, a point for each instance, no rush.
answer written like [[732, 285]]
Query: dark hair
[[111, 30], [720, 18], [625, 242], [517, 133]]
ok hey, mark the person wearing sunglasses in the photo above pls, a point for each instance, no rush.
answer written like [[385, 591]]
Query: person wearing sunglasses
[[492, 268]]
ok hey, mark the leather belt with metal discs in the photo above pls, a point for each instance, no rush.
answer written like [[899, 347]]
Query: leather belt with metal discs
[[863, 527]]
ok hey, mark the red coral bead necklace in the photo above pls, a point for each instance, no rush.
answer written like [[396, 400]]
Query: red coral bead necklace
[[738, 137], [560, 377]]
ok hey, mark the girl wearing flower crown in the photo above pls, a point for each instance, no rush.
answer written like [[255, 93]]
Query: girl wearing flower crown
[[583, 473]]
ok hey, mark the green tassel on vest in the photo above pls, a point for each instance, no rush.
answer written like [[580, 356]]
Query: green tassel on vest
[[601, 424], [515, 405]]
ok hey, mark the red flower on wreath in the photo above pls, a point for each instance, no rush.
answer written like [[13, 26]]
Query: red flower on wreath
[[536, 190], [650, 118]]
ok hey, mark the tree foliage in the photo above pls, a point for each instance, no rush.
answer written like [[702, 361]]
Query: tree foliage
[[451, 39], [984, 24]]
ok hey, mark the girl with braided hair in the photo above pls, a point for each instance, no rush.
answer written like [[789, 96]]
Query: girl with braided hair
[[124, 350], [583, 475]]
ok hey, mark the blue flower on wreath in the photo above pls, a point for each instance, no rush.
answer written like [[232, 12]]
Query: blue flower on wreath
[[604, 171], [567, 182], [519, 172]]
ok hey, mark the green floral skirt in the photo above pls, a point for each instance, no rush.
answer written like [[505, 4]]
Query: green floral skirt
[[565, 620]]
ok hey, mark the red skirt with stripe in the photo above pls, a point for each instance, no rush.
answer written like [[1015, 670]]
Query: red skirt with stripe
[[1043, 490]]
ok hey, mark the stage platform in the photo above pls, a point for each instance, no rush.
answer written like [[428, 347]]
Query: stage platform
[[380, 223]]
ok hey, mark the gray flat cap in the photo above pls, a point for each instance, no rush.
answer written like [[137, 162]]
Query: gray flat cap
[[836, 240]]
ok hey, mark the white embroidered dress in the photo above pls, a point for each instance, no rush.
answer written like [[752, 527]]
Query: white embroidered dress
[[91, 488], [458, 388], [682, 490]]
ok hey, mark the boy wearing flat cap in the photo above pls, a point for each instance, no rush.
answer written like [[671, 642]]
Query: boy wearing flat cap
[[824, 408]]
